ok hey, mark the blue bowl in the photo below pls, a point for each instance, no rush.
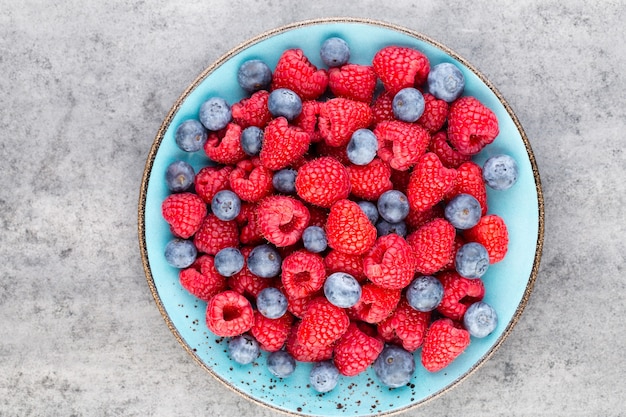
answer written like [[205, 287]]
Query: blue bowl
[[508, 283]]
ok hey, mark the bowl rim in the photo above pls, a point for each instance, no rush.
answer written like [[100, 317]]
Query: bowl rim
[[285, 28]]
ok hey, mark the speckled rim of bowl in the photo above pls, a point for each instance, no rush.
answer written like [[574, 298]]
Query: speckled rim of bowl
[[164, 126]]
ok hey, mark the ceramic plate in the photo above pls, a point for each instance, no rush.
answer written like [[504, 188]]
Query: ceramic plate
[[508, 283]]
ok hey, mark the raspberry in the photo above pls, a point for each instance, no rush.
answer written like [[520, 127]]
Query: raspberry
[[357, 349], [340, 118], [338, 152], [429, 182], [450, 157], [471, 125], [229, 314], [245, 282], [416, 219], [370, 181], [282, 219], [406, 325], [433, 245], [295, 72], [306, 353], [303, 274], [184, 212], [250, 180], [401, 144], [318, 215], [382, 108], [282, 144], [336, 261], [399, 67], [492, 233], [271, 333], [210, 180], [224, 146], [348, 229], [376, 303], [201, 279], [322, 324], [458, 242], [353, 81], [215, 234], [435, 113], [307, 120], [299, 306], [469, 180], [249, 231], [252, 111], [323, 181], [443, 343], [390, 263], [458, 294]]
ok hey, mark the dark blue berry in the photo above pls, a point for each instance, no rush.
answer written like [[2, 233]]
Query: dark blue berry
[[362, 147], [281, 364], [264, 261], [408, 104], [271, 303], [383, 228], [446, 82], [284, 102], [394, 367], [254, 75], [243, 349], [480, 319], [342, 289], [393, 206], [335, 52], [314, 239], [229, 261], [324, 376], [225, 205], [472, 260], [424, 293], [370, 210], [179, 176], [463, 211], [251, 140], [191, 135], [215, 113], [180, 253], [500, 172], [284, 181]]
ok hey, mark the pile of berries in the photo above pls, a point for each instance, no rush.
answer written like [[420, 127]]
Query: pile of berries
[[340, 218]]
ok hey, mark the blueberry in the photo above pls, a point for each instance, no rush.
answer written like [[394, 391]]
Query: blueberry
[[284, 102], [472, 260], [342, 289], [191, 135], [243, 349], [324, 376], [264, 261], [281, 364], [251, 140], [383, 228], [424, 293], [362, 147], [463, 211], [480, 319], [335, 52], [408, 104], [225, 205], [370, 210], [500, 172], [179, 176], [284, 181], [393, 206], [446, 82], [229, 261], [180, 253], [271, 303], [215, 113], [254, 75], [394, 367], [314, 239]]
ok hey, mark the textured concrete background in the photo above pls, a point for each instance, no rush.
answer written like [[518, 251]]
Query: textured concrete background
[[84, 87]]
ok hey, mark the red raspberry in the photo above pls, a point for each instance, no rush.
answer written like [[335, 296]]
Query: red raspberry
[[429, 182], [322, 324], [282, 144], [303, 274], [435, 113], [471, 125], [458, 242], [307, 353], [400, 67], [252, 111], [249, 231], [224, 146], [340, 118], [406, 326], [450, 157], [299, 306], [307, 119], [229, 314], [376, 303], [215, 234], [250, 180], [184, 212], [443, 343], [416, 219], [336, 261], [271, 333], [433, 245], [368, 182], [282, 219], [469, 180], [318, 215], [401, 144], [382, 108], [348, 229], [400, 179], [458, 294], [357, 349], [492, 233], [353, 81], [295, 72], [390, 263], [338, 152], [210, 180], [201, 279], [245, 282], [323, 181]]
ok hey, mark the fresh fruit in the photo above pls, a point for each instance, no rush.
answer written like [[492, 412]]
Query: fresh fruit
[[357, 349], [443, 343], [264, 261], [394, 367], [353, 81], [282, 219], [348, 229], [408, 104], [376, 303], [179, 176], [229, 261], [471, 260], [370, 181], [383, 228], [342, 289], [303, 274], [335, 52], [254, 75], [184, 212], [229, 314], [492, 233], [271, 334], [390, 263], [433, 245], [435, 114], [401, 144], [446, 82], [469, 181], [340, 118], [471, 125], [250, 180], [480, 319], [314, 239], [283, 144], [336, 261], [393, 206], [284, 181], [322, 324], [252, 111], [190, 135], [370, 210], [284, 102], [295, 72], [215, 113], [324, 376], [211, 179], [399, 67], [180, 253], [449, 157], [281, 364], [424, 293], [251, 140], [406, 326], [458, 294], [362, 147], [201, 279], [463, 211], [226, 205], [215, 234], [500, 172], [323, 181], [429, 182], [224, 146], [271, 303], [243, 349]]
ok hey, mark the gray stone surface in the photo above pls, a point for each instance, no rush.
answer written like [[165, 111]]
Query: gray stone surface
[[84, 87]]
